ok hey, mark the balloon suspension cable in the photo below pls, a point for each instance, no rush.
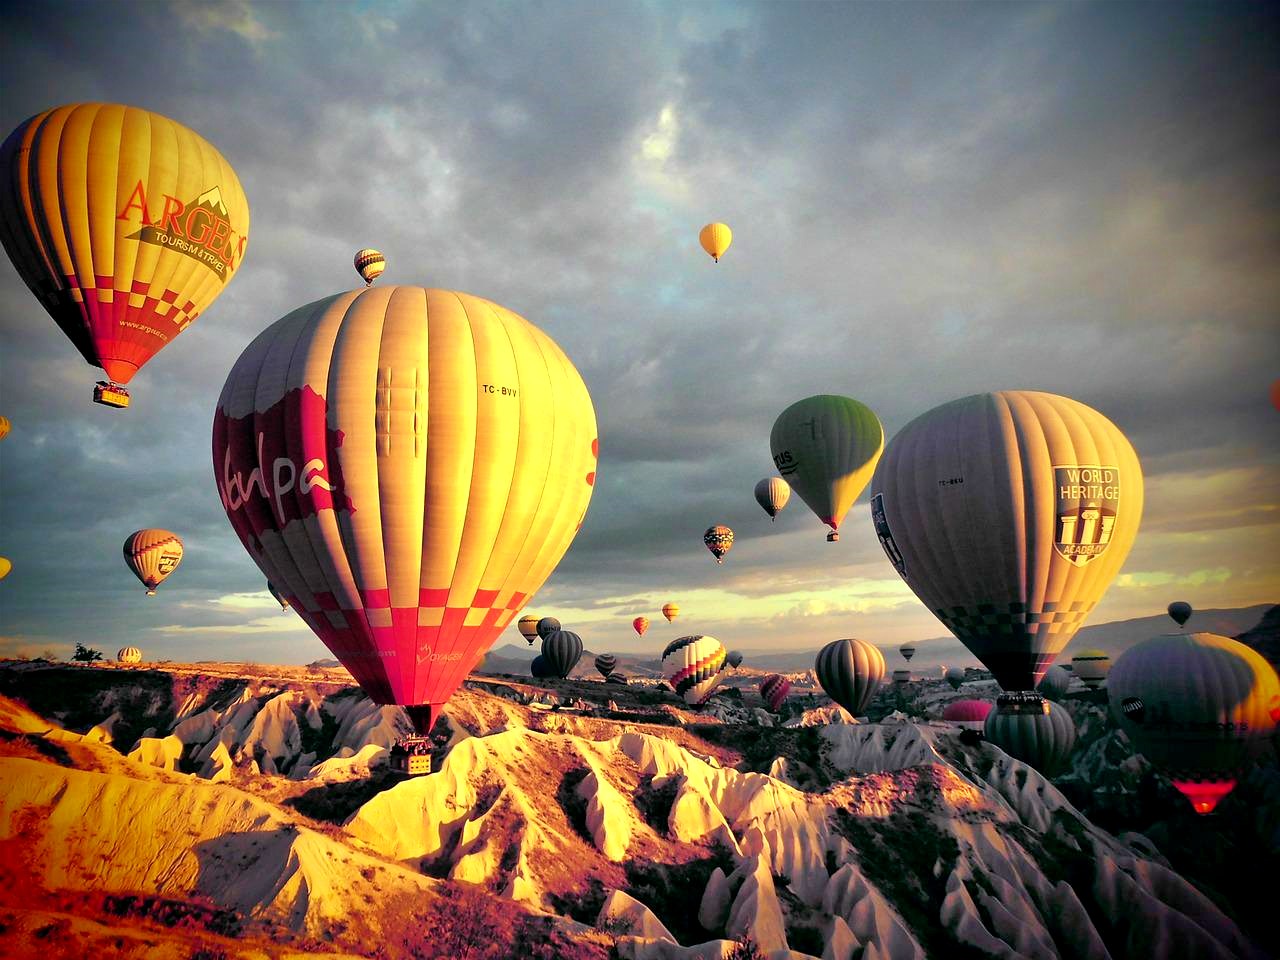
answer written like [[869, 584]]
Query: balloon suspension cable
[[423, 717], [833, 537]]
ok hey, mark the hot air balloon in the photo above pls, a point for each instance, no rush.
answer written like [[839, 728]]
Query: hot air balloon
[[1199, 706], [719, 540], [528, 627], [547, 626], [152, 555], [1092, 667], [5, 567], [826, 447], [1181, 611], [901, 676], [967, 713], [129, 655], [540, 668], [1055, 683], [772, 493], [280, 597], [1042, 734], [641, 624], [396, 491], [125, 225], [670, 611], [734, 659], [850, 671], [369, 263], [616, 678], [562, 650], [694, 667], [954, 676], [1009, 514], [715, 239], [1275, 394], [908, 651], [774, 689], [4, 427], [606, 663]]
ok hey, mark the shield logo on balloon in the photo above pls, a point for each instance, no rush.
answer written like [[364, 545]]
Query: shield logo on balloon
[[1088, 498]]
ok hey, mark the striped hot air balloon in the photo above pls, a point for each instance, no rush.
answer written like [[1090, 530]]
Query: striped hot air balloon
[[734, 659], [901, 676], [616, 678], [719, 540], [129, 655], [670, 611], [152, 555], [955, 676], [547, 626], [126, 225], [640, 625], [772, 493], [1092, 667], [774, 689], [1055, 683], [528, 627], [606, 663], [1199, 706], [850, 671], [694, 666], [411, 465], [5, 426], [1009, 514], [370, 264], [562, 650], [1041, 735], [908, 651]]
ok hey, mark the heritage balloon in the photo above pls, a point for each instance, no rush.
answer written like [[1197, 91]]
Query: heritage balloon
[[561, 651], [528, 627], [1180, 611], [129, 655], [850, 671], [1199, 706], [640, 625], [772, 493], [1042, 738], [1009, 514], [370, 264], [1092, 667], [152, 555], [126, 225], [826, 448], [410, 465], [606, 663], [774, 689], [719, 540], [715, 239], [694, 666], [670, 611]]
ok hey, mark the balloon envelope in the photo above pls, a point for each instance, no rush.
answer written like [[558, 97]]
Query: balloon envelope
[[411, 465], [1092, 667], [561, 651], [719, 540], [772, 493], [1199, 706], [826, 448], [528, 627], [129, 655], [1055, 683], [606, 663], [1009, 514], [540, 668], [955, 676], [774, 689], [547, 626], [1180, 611], [734, 659], [967, 712], [694, 666], [152, 555], [370, 264], [850, 671], [1043, 740], [670, 611], [640, 625], [715, 239], [907, 650], [4, 427], [126, 225]]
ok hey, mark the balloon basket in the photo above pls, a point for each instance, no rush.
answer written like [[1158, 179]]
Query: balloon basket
[[110, 394], [833, 537], [1022, 703], [412, 755]]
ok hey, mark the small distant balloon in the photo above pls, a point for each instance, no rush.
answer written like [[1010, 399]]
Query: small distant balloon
[[694, 667], [1055, 683], [4, 427], [528, 627], [670, 610], [774, 689], [901, 676], [606, 663], [907, 650], [734, 659], [1275, 394], [850, 671], [719, 540], [1092, 667], [129, 655], [370, 264], [715, 239], [772, 493], [5, 567], [152, 555], [562, 651], [955, 677], [640, 624], [1181, 611], [547, 626], [967, 713]]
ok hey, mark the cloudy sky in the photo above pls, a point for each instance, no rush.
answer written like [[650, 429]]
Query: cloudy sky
[[928, 201]]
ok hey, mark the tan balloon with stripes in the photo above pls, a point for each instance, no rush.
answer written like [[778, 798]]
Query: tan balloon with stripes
[[408, 466], [125, 225], [1009, 514], [152, 555]]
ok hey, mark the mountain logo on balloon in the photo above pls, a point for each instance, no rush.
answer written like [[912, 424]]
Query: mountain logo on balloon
[[1088, 499], [200, 228], [886, 535]]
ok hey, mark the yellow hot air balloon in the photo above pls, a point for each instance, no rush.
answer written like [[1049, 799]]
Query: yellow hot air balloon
[[5, 567], [125, 224], [826, 448], [409, 465], [370, 264], [4, 427], [715, 239], [670, 610], [129, 655], [152, 555], [1009, 514]]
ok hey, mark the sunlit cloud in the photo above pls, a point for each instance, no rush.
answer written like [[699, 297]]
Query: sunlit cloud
[[233, 16]]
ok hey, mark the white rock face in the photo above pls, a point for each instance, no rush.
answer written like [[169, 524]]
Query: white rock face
[[621, 912]]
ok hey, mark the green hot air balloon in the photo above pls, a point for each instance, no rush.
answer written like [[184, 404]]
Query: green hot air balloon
[[850, 671], [1041, 733], [1009, 514], [1199, 706], [562, 650], [826, 448]]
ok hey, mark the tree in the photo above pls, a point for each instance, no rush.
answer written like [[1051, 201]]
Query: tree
[[85, 654]]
